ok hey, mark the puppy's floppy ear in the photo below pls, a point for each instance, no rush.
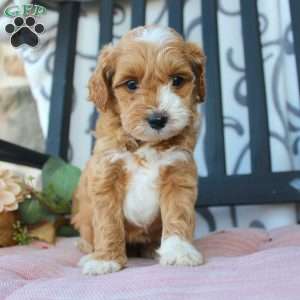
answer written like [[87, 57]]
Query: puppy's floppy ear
[[100, 82], [197, 59]]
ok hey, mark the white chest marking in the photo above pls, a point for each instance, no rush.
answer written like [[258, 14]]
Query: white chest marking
[[141, 203]]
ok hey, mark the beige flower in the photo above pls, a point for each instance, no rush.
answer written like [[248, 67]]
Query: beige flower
[[10, 191]]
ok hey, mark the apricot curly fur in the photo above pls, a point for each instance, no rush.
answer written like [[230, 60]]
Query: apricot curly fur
[[98, 201]]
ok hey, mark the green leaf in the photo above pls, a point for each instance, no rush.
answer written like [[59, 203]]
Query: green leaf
[[20, 234], [51, 166], [59, 182], [55, 203], [67, 231], [33, 212], [64, 181]]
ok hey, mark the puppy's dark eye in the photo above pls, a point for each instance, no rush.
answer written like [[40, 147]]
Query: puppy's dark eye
[[132, 85], [177, 81]]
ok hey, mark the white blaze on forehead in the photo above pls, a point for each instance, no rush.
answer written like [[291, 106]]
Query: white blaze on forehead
[[179, 116], [155, 35], [172, 104]]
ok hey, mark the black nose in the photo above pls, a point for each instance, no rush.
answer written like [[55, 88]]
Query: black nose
[[157, 120]]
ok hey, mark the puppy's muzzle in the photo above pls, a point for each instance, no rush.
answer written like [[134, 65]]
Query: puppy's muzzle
[[157, 120]]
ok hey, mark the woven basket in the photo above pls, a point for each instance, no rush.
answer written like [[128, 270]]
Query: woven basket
[[7, 219]]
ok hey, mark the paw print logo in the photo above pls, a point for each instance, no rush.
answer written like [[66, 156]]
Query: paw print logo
[[24, 31]]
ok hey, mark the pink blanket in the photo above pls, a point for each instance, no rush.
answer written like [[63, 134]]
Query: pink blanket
[[241, 265]]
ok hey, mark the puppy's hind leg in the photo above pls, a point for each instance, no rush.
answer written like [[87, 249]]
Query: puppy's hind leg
[[85, 243], [149, 250], [82, 216]]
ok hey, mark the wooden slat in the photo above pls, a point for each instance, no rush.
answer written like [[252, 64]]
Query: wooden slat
[[295, 21], [214, 138], [256, 95], [106, 36], [275, 188], [138, 13], [62, 86], [106, 22], [175, 10], [19, 155]]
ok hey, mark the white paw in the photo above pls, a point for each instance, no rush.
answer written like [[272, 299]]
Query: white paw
[[176, 251], [91, 266], [84, 259]]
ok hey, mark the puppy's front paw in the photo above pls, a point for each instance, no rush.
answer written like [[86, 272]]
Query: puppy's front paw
[[176, 251], [92, 266]]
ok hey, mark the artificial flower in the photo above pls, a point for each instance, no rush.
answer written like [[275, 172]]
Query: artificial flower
[[10, 191]]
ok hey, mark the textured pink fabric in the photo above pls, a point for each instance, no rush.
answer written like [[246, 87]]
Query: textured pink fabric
[[241, 265]]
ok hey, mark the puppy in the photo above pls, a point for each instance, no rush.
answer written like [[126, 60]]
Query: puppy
[[140, 185]]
